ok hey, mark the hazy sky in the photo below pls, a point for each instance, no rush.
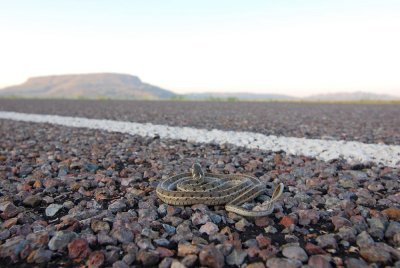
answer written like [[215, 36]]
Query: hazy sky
[[291, 47]]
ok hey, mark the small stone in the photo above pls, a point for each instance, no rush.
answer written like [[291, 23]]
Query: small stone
[[68, 204], [162, 209], [166, 263], [61, 239], [120, 264], [51, 182], [236, 257], [48, 199], [364, 240], [90, 238], [396, 240], [348, 184], [314, 249], [100, 226], [332, 202], [147, 232], [52, 209], [161, 242], [211, 257], [164, 252], [199, 241], [112, 255], [395, 253], [39, 238], [291, 238], [117, 206], [129, 258], [283, 263], [295, 252], [32, 201], [148, 258], [393, 213], [355, 263], [215, 218], [169, 229], [303, 198], [9, 210], [173, 210], [327, 241], [177, 264], [270, 230], [199, 218], [91, 167], [376, 228], [392, 229], [230, 168], [345, 243], [95, 260], [144, 243], [242, 224], [105, 239], [287, 221], [375, 187], [78, 249], [319, 261], [184, 231], [263, 221], [39, 256], [4, 234], [262, 241], [225, 248], [308, 216], [256, 265], [122, 234], [186, 249], [189, 260], [375, 254], [347, 234], [12, 248], [340, 222], [338, 261], [209, 228]]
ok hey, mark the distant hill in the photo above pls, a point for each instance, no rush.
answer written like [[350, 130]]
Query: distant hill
[[239, 96], [124, 86], [351, 96], [98, 85]]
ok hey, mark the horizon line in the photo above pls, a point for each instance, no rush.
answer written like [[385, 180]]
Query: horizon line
[[214, 91]]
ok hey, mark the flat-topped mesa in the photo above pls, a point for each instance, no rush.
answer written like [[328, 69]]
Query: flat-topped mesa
[[90, 86]]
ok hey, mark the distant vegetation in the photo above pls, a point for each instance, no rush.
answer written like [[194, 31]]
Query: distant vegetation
[[231, 99]]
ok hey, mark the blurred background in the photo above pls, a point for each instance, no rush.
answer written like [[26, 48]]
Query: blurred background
[[233, 50]]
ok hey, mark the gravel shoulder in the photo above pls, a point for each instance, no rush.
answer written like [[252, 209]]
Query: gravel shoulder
[[355, 122], [71, 196]]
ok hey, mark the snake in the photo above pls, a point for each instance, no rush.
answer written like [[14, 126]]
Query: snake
[[231, 190]]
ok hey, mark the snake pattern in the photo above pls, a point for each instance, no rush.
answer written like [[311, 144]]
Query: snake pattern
[[197, 187]]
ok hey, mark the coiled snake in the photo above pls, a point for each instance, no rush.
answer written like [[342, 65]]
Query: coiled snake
[[198, 187]]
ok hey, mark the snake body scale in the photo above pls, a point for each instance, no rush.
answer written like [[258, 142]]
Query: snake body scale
[[232, 191]]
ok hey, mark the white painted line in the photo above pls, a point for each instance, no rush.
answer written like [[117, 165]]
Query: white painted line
[[352, 151]]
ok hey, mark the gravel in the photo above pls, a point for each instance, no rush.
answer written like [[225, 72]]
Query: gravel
[[112, 216]]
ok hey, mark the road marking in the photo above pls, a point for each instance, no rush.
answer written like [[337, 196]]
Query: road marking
[[352, 151]]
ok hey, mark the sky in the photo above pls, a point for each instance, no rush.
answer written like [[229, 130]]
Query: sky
[[294, 47]]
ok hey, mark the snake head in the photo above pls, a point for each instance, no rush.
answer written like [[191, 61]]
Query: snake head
[[197, 172]]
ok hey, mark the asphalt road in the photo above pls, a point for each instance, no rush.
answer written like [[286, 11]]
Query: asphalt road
[[364, 123]]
